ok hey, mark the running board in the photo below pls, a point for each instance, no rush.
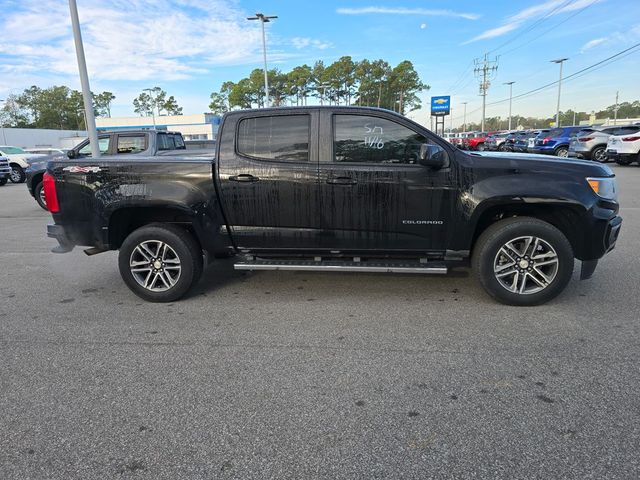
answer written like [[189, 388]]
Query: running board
[[339, 266]]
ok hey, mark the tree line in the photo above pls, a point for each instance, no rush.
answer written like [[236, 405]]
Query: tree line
[[567, 118], [343, 82], [57, 107]]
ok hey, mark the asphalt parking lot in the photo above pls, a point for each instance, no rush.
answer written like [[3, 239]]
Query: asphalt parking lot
[[312, 375]]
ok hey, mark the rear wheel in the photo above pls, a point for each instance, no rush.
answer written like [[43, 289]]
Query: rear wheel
[[160, 262], [599, 154], [3, 182], [523, 261], [626, 160], [39, 194], [480, 147], [17, 174], [561, 152]]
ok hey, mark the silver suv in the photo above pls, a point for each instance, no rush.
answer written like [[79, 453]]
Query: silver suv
[[590, 143]]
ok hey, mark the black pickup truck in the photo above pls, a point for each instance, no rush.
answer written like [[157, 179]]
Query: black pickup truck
[[338, 189]]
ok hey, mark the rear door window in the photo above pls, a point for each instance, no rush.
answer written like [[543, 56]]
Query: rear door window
[[278, 137], [131, 143]]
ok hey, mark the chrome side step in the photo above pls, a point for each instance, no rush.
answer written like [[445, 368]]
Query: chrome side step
[[390, 266]]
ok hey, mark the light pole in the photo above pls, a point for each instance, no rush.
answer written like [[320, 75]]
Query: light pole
[[560, 61], [464, 121], [4, 137], [153, 112], [615, 110], [84, 81], [510, 98], [264, 19]]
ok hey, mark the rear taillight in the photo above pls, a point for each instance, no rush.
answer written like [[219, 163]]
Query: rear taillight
[[630, 139], [585, 139], [50, 195]]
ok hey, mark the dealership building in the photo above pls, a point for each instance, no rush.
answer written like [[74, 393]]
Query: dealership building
[[202, 126]]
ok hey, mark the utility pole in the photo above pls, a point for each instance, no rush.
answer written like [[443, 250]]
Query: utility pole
[[464, 121], [450, 120], [264, 19], [560, 61], [615, 110], [84, 81], [510, 98], [4, 137], [574, 117], [485, 70]]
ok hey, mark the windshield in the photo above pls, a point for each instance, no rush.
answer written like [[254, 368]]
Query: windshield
[[13, 150]]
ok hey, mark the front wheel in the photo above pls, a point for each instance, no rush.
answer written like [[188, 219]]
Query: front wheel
[[599, 154], [17, 174], [39, 194], [3, 182], [160, 262], [523, 261], [480, 147]]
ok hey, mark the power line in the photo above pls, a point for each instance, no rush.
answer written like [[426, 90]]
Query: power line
[[533, 25]]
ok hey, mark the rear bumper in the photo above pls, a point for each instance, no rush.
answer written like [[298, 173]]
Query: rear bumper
[[64, 242]]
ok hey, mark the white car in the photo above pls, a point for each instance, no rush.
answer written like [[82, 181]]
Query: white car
[[624, 148], [18, 161]]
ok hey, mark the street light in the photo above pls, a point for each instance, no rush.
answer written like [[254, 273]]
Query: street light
[[264, 19], [510, 97], [464, 121], [153, 113], [560, 61], [84, 81]]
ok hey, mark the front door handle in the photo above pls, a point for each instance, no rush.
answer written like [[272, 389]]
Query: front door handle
[[341, 181], [243, 177]]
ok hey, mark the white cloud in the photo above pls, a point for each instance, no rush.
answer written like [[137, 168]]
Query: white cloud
[[132, 40], [546, 9], [593, 43], [423, 26], [304, 42], [406, 11]]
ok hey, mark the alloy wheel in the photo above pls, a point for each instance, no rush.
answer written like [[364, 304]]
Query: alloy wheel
[[526, 265], [155, 265]]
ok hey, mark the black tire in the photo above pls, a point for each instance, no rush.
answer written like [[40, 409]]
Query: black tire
[[502, 147], [3, 181], [561, 152], [599, 154], [17, 174], [480, 147], [183, 247], [487, 252], [38, 192]]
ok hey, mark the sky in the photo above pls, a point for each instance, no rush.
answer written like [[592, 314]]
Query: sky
[[189, 47]]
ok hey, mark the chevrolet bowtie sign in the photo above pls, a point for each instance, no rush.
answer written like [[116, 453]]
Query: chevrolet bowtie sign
[[440, 105]]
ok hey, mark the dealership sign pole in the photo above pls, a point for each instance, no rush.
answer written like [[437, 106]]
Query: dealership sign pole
[[440, 107], [84, 81]]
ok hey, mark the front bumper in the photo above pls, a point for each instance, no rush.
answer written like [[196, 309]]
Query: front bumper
[[604, 235]]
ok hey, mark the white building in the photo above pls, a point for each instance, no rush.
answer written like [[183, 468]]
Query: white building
[[203, 126], [41, 137]]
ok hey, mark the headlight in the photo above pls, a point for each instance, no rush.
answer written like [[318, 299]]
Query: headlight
[[604, 187]]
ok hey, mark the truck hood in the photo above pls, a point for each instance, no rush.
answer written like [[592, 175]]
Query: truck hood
[[531, 161]]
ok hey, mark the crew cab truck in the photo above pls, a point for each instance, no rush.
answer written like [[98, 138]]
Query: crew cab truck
[[346, 189]]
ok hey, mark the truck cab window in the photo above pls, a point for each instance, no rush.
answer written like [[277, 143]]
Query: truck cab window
[[103, 145], [131, 143], [279, 137], [365, 139]]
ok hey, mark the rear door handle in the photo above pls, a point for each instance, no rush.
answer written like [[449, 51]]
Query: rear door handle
[[341, 181], [243, 177]]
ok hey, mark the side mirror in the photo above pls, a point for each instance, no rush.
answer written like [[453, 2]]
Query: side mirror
[[432, 156], [72, 154]]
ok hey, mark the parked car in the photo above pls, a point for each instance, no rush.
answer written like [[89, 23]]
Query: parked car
[[496, 141], [512, 138], [18, 161], [340, 189], [476, 141], [555, 142], [624, 145], [5, 171], [523, 142], [148, 142], [48, 151]]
